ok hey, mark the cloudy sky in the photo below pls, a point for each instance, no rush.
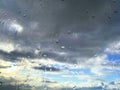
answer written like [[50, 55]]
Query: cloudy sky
[[59, 44]]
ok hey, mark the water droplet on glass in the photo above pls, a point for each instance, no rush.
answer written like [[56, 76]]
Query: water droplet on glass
[[1, 83], [109, 17], [93, 16], [44, 55], [37, 51], [40, 64], [75, 65], [45, 87], [62, 47], [69, 47], [115, 11], [27, 57], [86, 11], [113, 1], [2, 22], [32, 62], [50, 69], [24, 15], [69, 32], [74, 88], [19, 12], [57, 41], [95, 55]]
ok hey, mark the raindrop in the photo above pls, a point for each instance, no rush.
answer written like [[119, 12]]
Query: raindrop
[[95, 55], [45, 87], [2, 22], [62, 47], [114, 1], [19, 12], [70, 47], [44, 55], [69, 32], [32, 62], [74, 88], [38, 48], [37, 51], [50, 69], [1, 83], [40, 64], [27, 57], [109, 17], [86, 11], [25, 15], [75, 65], [26, 10], [93, 16], [115, 11], [103, 85], [57, 41]]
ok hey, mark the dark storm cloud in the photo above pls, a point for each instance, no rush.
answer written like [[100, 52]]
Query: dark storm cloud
[[14, 55], [46, 68], [83, 27]]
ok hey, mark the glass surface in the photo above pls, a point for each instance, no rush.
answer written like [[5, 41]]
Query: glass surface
[[59, 44]]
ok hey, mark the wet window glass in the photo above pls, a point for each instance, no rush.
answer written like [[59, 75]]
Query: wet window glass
[[59, 44]]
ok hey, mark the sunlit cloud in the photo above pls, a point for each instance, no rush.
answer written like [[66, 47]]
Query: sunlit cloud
[[7, 47], [12, 26], [15, 27]]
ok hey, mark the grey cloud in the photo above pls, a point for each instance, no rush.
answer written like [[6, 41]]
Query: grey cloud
[[84, 27], [46, 68], [8, 87], [4, 67], [14, 55]]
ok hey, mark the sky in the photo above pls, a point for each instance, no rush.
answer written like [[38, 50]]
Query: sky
[[59, 44]]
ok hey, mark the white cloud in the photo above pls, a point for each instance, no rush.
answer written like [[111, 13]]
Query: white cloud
[[12, 25], [15, 27], [114, 85], [113, 47], [7, 47]]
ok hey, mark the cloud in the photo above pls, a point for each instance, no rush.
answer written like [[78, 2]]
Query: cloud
[[15, 27], [7, 47], [24, 73], [81, 35], [46, 68], [113, 85], [70, 25], [15, 55], [69, 35]]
